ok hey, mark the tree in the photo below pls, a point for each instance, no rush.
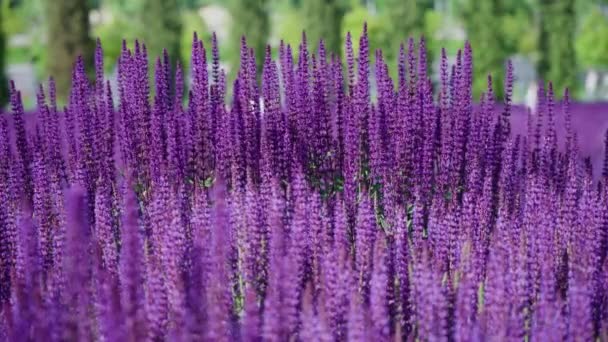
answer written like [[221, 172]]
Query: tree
[[193, 4], [127, 8], [377, 30], [94, 4], [483, 24], [161, 28], [405, 19], [250, 19], [557, 27], [323, 20], [592, 45], [3, 80], [68, 37]]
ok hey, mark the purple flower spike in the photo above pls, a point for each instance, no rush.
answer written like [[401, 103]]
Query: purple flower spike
[[26, 284], [365, 236], [78, 265], [252, 319], [131, 269], [358, 319], [23, 148], [379, 293], [321, 202], [156, 301]]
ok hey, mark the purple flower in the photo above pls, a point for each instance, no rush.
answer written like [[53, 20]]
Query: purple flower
[[326, 202], [365, 237], [131, 268]]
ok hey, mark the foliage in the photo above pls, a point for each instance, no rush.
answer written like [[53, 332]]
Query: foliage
[[111, 34], [194, 4], [26, 18], [68, 37], [484, 26], [192, 22], [250, 19], [323, 19], [287, 27], [556, 43], [388, 29], [12, 20], [434, 22], [161, 28], [377, 28], [94, 4], [405, 19], [520, 37], [591, 42], [128, 8]]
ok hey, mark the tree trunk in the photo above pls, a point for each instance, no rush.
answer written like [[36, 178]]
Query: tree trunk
[[68, 38]]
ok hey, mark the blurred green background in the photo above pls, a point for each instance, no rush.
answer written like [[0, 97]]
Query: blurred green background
[[565, 41]]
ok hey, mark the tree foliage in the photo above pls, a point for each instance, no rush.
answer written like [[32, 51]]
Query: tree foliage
[[405, 19], [323, 19], [592, 42], [162, 27], [378, 32], [250, 19], [192, 22], [484, 31], [68, 37], [556, 43]]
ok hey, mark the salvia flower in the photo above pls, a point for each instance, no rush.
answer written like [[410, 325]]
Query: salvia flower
[[323, 201]]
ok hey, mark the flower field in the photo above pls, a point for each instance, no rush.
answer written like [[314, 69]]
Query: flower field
[[301, 208]]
